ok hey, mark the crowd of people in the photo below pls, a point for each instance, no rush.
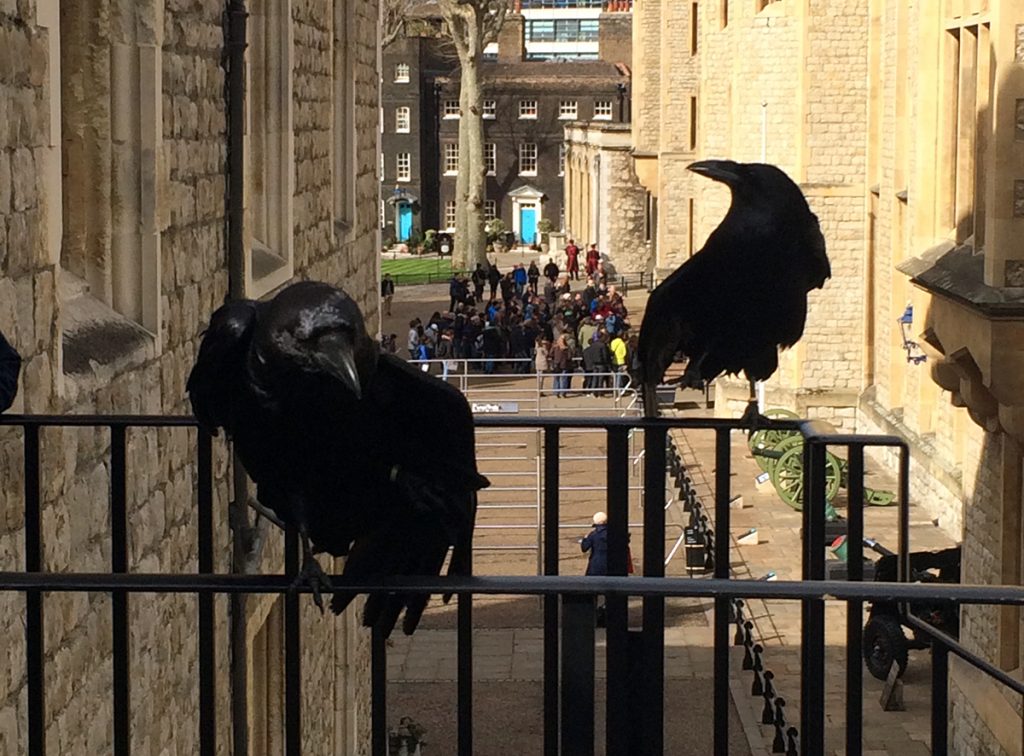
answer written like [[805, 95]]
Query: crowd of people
[[528, 320]]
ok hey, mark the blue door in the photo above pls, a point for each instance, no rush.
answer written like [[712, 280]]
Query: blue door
[[404, 221], [528, 225]]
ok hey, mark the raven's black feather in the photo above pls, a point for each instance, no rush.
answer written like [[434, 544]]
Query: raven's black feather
[[731, 306], [10, 367], [372, 458]]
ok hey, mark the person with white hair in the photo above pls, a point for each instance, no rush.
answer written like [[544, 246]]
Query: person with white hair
[[596, 542]]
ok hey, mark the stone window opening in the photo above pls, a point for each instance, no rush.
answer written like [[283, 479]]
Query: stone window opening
[[343, 145], [402, 73], [266, 684], [106, 134], [965, 76], [723, 13], [271, 160]]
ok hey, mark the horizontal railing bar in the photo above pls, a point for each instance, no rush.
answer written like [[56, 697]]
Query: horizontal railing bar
[[522, 585], [968, 656], [84, 421], [481, 421]]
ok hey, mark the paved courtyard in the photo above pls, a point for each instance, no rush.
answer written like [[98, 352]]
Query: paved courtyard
[[508, 638]]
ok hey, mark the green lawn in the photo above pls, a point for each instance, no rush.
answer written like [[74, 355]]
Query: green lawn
[[413, 270]]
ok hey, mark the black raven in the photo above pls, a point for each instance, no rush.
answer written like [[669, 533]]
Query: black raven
[[361, 453], [10, 366], [731, 306]]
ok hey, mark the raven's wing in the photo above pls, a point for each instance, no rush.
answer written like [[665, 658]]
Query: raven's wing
[[219, 369], [428, 441], [10, 366]]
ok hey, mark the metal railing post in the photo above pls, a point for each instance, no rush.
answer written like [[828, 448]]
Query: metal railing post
[[721, 628], [855, 607], [119, 599], [34, 639]]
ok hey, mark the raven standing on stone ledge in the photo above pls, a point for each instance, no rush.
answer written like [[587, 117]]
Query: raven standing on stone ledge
[[361, 453], [731, 306]]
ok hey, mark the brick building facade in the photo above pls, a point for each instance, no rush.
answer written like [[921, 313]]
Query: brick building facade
[[901, 122], [532, 89], [113, 254]]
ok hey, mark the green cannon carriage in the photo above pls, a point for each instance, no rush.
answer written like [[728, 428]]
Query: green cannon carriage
[[780, 453]]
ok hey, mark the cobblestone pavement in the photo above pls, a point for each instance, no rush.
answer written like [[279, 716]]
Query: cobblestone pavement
[[508, 652]]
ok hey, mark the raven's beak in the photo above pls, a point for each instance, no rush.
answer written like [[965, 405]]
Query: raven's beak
[[717, 170], [336, 355]]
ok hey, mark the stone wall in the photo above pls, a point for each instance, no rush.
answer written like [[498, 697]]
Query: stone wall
[[83, 353]]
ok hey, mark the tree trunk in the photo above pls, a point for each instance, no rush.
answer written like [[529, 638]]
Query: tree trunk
[[466, 22], [475, 246]]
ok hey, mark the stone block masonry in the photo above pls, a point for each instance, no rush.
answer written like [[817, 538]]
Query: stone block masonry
[[146, 373]]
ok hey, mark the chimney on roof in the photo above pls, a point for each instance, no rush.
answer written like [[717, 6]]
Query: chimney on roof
[[615, 37], [511, 44]]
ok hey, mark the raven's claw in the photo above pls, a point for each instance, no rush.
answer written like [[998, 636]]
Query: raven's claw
[[753, 420], [313, 575]]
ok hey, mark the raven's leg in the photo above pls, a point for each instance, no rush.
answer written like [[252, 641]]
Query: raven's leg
[[312, 574], [751, 418]]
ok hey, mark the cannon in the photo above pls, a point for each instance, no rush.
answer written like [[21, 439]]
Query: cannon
[[780, 453]]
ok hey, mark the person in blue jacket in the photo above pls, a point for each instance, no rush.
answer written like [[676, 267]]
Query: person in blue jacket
[[596, 542], [10, 367]]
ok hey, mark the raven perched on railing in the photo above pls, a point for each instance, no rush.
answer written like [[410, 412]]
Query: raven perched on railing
[[361, 453], [730, 307]]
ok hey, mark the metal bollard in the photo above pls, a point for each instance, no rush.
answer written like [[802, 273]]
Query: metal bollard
[[757, 688], [792, 742], [768, 712], [748, 644], [779, 743]]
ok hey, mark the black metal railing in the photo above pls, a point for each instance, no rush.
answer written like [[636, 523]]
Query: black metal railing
[[569, 602]]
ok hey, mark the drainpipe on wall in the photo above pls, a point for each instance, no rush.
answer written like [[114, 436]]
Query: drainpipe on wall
[[235, 42]]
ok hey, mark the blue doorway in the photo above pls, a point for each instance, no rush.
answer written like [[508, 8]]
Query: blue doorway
[[528, 225], [404, 221]]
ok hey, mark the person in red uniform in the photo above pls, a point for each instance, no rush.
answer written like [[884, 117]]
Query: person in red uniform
[[593, 258], [572, 265]]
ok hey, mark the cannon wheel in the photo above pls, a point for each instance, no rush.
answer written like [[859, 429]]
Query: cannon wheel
[[884, 645], [788, 475], [769, 438]]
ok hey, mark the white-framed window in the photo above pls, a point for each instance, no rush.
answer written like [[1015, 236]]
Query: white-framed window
[[383, 214], [568, 110], [402, 73], [561, 159], [382, 163], [527, 108], [528, 159], [603, 110], [403, 166], [490, 210], [450, 109], [449, 215], [491, 158], [451, 158], [402, 118], [490, 109]]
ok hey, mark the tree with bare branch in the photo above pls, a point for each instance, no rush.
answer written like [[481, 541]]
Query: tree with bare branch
[[472, 25]]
